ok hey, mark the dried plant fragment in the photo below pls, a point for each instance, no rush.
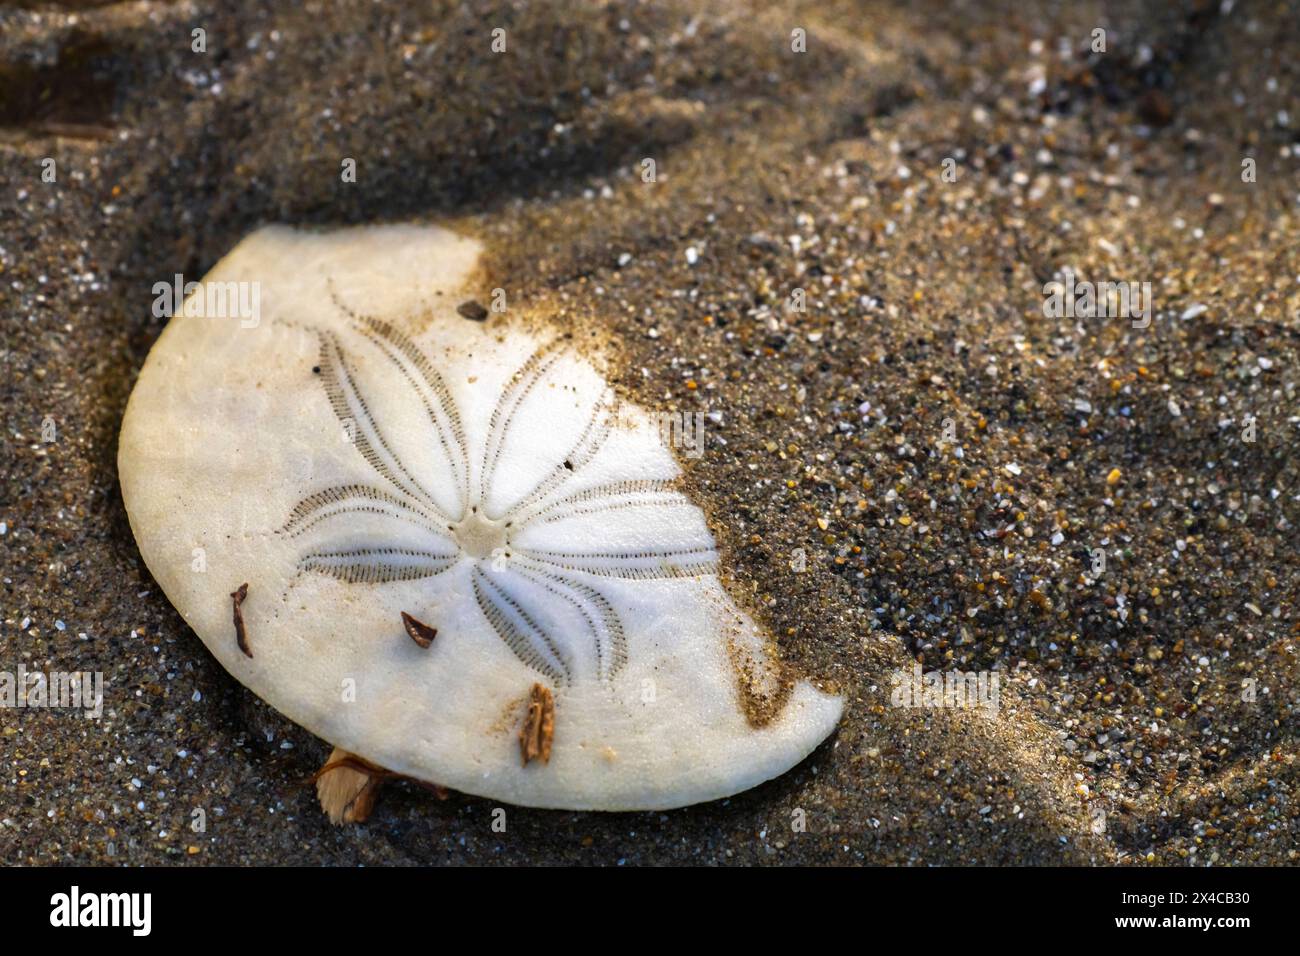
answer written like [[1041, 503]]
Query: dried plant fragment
[[419, 632], [348, 786], [241, 635], [539, 726]]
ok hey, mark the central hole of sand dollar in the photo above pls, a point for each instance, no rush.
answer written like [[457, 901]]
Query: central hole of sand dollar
[[479, 536]]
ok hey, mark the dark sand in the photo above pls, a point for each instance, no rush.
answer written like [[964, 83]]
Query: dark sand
[[925, 303]]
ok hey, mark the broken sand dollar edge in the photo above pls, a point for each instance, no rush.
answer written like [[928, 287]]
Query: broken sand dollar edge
[[467, 560]]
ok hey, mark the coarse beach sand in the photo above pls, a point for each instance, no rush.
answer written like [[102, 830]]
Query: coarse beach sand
[[946, 458]]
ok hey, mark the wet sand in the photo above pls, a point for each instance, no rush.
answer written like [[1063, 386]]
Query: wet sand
[[946, 456]]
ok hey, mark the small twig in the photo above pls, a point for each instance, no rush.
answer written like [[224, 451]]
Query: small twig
[[352, 762], [75, 130]]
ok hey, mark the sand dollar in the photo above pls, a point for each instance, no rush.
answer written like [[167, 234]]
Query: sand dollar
[[456, 539]]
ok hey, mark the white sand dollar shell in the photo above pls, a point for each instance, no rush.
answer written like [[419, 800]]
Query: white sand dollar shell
[[358, 450]]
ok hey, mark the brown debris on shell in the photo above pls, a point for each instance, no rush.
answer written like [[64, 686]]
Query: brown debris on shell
[[473, 311], [418, 631], [539, 726], [241, 635]]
